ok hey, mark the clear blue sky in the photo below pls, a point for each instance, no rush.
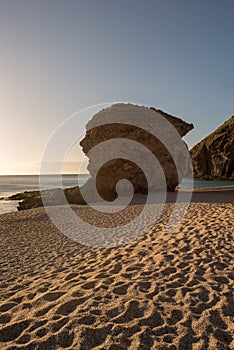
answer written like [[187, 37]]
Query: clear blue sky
[[58, 57]]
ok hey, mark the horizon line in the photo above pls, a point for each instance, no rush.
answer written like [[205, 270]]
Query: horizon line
[[49, 174]]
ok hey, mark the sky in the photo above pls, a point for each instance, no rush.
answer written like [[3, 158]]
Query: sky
[[59, 57]]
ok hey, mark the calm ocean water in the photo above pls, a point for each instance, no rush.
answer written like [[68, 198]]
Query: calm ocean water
[[11, 184]]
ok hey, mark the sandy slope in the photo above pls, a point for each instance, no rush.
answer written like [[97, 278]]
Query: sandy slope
[[164, 291]]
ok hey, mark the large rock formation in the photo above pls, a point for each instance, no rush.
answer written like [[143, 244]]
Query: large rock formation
[[213, 157], [114, 170], [106, 125]]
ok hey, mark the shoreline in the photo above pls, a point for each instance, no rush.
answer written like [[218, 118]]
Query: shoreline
[[24, 194], [207, 189], [217, 194]]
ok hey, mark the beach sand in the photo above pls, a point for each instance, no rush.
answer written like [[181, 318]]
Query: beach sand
[[165, 290]]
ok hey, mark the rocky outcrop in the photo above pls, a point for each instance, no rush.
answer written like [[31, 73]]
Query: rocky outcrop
[[213, 157], [33, 199], [106, 125], [114, 170]]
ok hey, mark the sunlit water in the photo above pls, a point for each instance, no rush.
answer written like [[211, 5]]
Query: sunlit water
[[12, 184]]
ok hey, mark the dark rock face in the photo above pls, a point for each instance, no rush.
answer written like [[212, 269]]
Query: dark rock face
[[29, 203], [50, 197], [103, 182], [116, 169], [213, 157]]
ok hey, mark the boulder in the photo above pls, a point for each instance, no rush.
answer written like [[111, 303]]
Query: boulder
[[56, 196], [30, 202], [104, 178], [213, 157], [116, 169]]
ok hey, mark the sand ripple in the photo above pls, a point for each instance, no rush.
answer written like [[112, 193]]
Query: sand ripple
[[164, 291]]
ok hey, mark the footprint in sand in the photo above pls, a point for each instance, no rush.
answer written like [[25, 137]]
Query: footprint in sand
[[217, 320], [17, 300], [228, 309], [93, 337], [52, 296], [70, 306], [26, 306], [176, 316], [36, 325], [7, 306], [89, 285], [224, 337], [122, 289], [153, 320], [44, 310], [56, 326], [24, 339], [65, 339], [31, 296], [41, 332], [5, 318], [116, 269], [133, 311], [42, 289], [13, 331], [70, 276], [87, 320]]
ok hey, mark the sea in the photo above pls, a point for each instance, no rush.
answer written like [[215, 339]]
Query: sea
[[12, 184]]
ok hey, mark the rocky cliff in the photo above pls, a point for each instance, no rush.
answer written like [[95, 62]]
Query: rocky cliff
[[213, 157]]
